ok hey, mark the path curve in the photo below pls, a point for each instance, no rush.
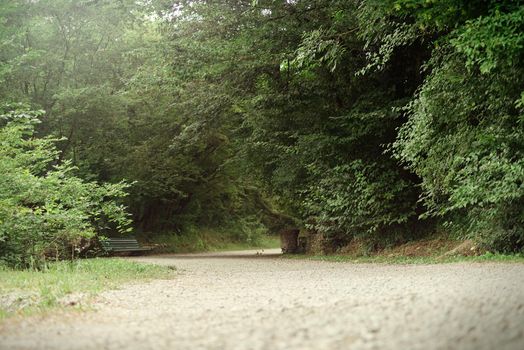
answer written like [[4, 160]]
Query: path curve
[[258, 300]]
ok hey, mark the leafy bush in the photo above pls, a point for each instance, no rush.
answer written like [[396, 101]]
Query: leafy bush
[[44, 209], [465, 134], [359, 199]]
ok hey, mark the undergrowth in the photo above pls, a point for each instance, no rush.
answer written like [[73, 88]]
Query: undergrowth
[[405, 260], [201, 240]]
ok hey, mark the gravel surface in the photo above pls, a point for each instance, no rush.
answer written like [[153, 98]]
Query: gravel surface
[[245, 300]]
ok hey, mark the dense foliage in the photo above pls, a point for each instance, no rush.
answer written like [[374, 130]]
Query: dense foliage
[[45, 211], [382, 120], [465, 134]]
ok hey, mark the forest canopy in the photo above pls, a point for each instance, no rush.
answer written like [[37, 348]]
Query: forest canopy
[[379, 120]]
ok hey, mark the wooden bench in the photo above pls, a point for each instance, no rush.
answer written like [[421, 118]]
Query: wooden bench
[[122, 245]]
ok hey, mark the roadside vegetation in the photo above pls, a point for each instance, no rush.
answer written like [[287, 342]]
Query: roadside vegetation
[[68, 285], [196, 124], [437, 249], [205, 240], [45, 210], [408, 260]]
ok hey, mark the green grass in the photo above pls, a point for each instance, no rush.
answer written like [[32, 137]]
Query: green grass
[[28, 291], [266, 242], [381, 259], [209, 240]]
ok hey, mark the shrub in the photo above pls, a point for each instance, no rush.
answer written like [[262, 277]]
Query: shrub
[[44, 209], [360, 199], [465, 137]]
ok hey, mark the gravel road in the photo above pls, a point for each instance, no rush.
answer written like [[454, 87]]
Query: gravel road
[[244, 300]]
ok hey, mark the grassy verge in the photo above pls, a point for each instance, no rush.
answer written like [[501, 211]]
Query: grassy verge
[[381, 259], [68, 284], [208, 240], [266, 242]]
